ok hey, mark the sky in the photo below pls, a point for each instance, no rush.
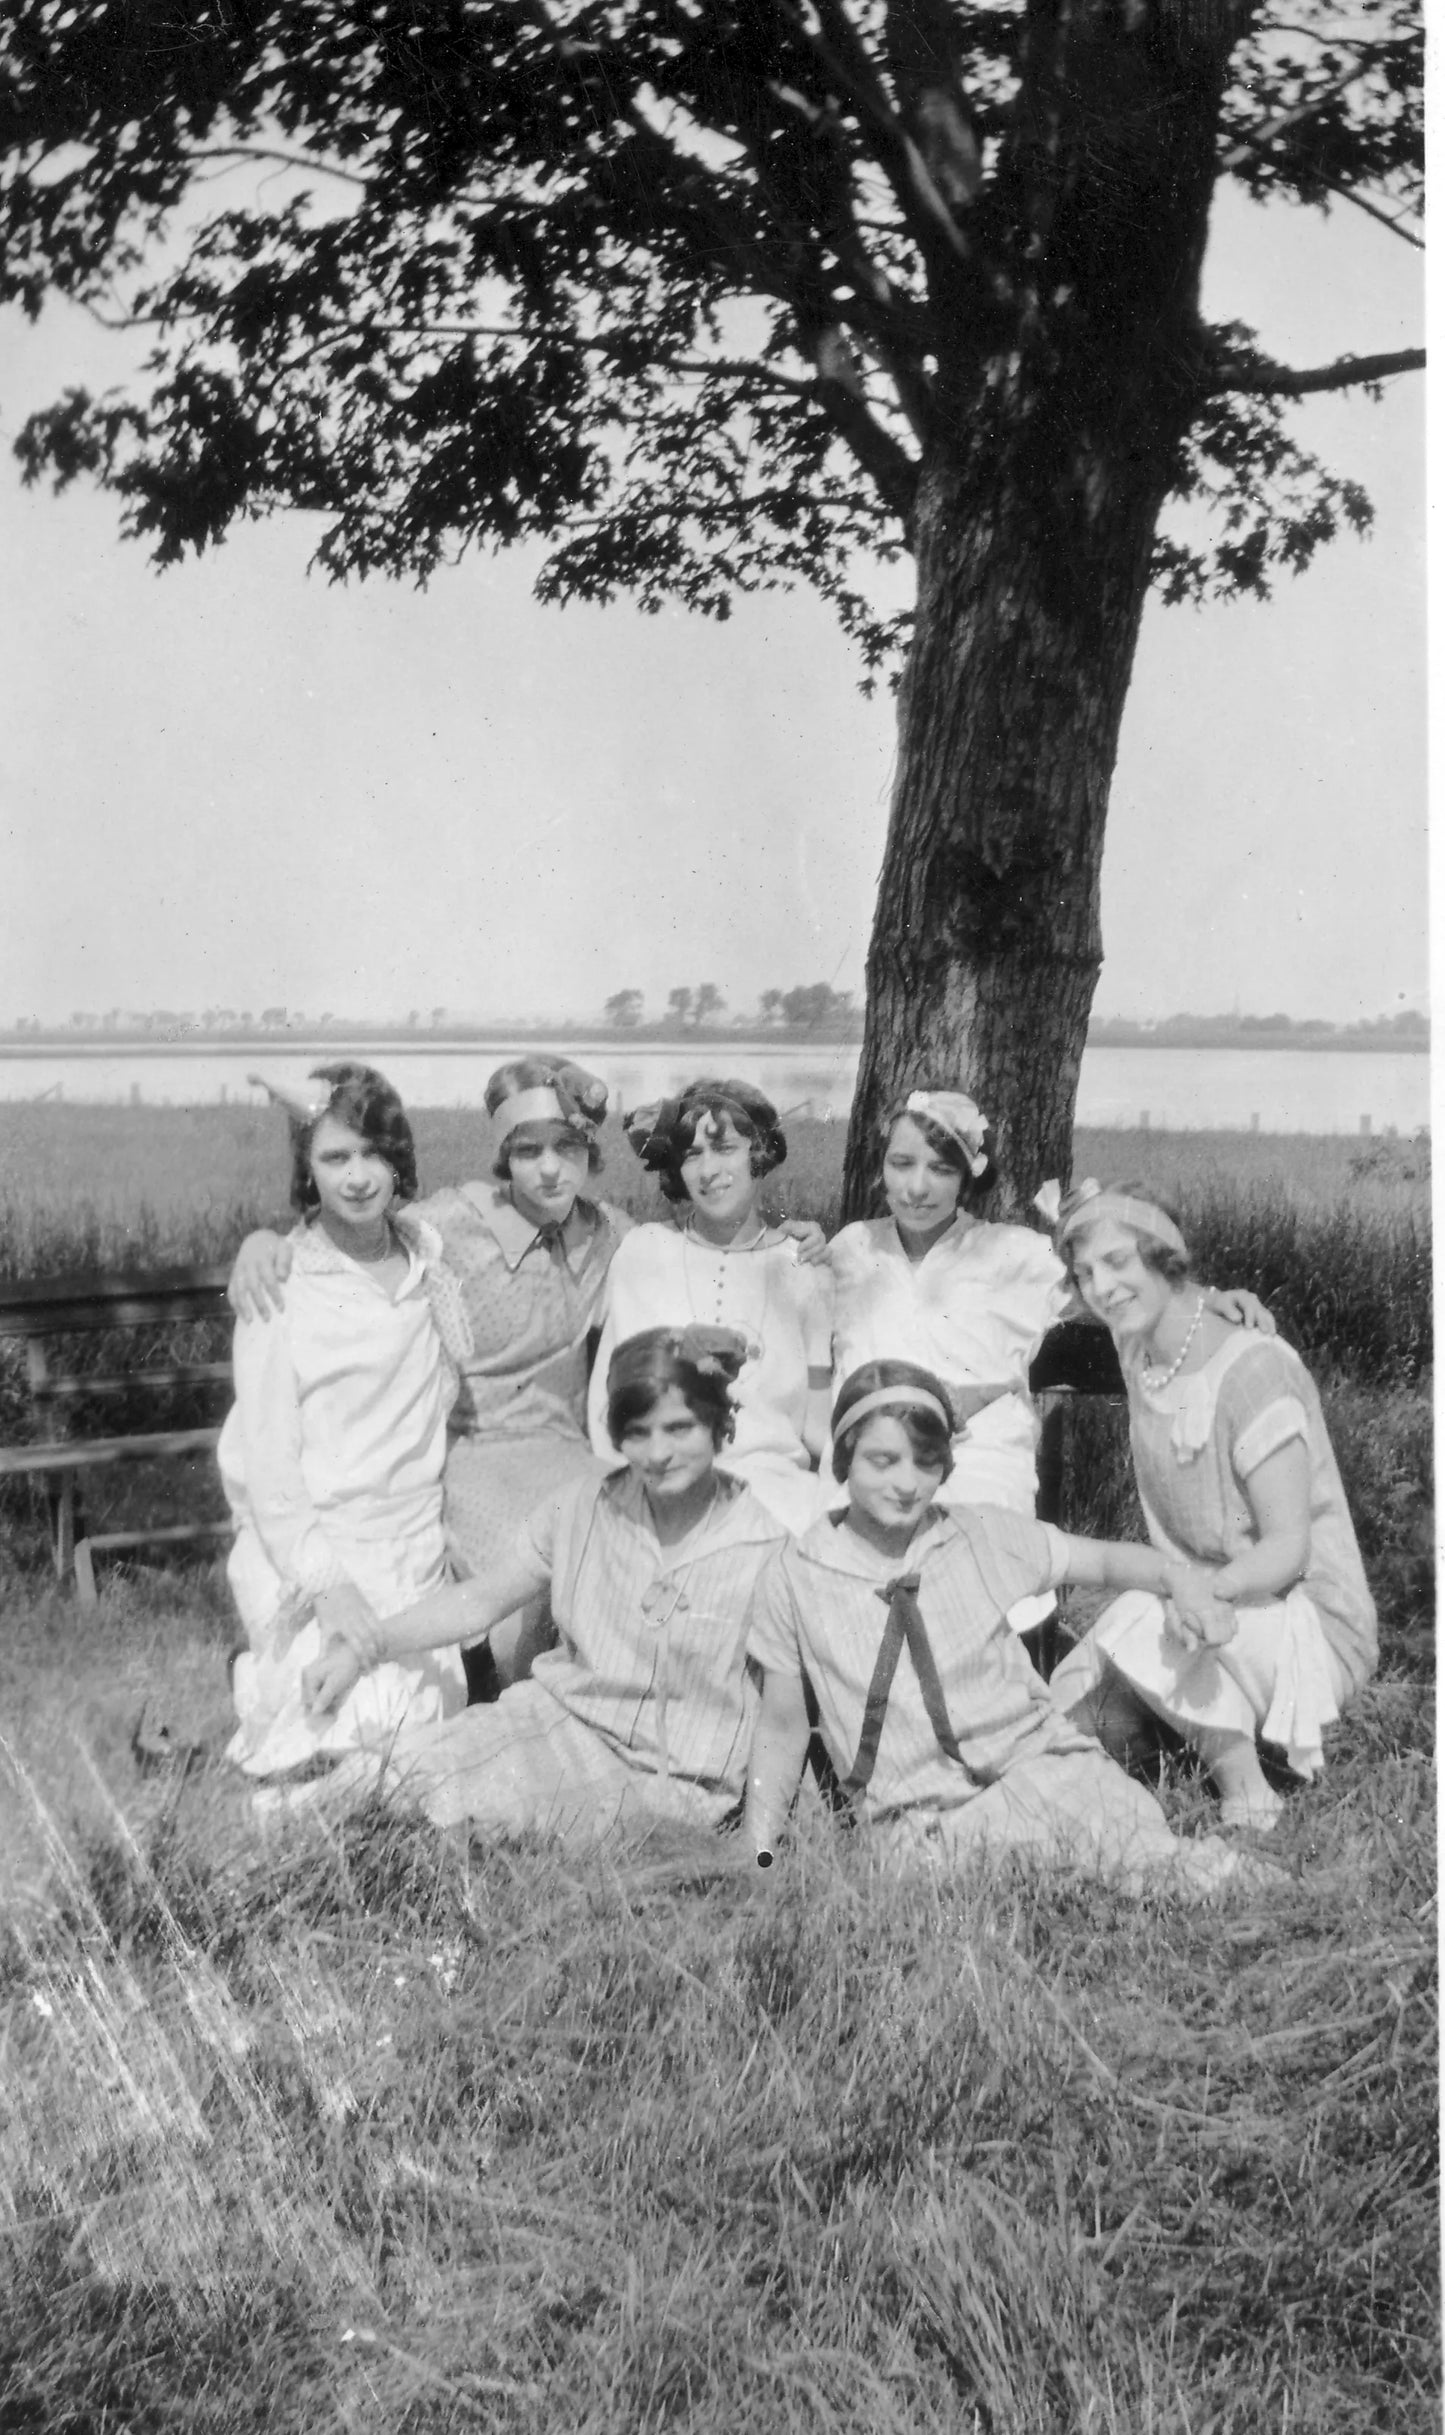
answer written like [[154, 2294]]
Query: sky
[[235, 785]]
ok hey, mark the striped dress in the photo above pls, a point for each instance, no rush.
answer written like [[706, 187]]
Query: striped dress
[[955, 1745], [645, 1707]]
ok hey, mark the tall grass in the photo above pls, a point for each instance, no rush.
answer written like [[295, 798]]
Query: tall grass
[[359, 2127]]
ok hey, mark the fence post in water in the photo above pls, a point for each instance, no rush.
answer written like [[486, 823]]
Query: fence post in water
[[1364, 1124], [1143, 1120], [1254, 1122]]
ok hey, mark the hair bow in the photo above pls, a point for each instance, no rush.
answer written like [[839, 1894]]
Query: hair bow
[[300, 1110], [960, 1117], [719, 1352], [1048, 1200], [650, 1129], [580, 1093]]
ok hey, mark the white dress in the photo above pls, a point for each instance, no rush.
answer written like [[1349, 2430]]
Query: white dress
[[666, 1276], [974, 1310], [331, 1459], [1294, 1659]]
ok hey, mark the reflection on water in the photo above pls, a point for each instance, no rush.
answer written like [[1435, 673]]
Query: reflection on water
[[1185, 1089]]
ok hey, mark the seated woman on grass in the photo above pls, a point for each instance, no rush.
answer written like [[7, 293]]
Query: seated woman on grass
[[645, 1707], [939, 1730], [1269, 1626], [724, 1265], [332, 1455]]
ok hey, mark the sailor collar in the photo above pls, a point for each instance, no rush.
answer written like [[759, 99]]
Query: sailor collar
[[738, 1518], [835, 1548]]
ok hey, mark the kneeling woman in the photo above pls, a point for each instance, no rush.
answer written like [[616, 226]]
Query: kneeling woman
[[1273, 1628], [938, 1727], [645, 1707], [332, 1455]]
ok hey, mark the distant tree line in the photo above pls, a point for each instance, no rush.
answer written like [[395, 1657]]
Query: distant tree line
[[814, 1007], [1407, 1029]]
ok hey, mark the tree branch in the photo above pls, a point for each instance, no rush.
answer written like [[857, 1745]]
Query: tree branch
[[845, 62], [1347, 194], [1255, 378], [1264, 136], [285, 160], [888, 467]]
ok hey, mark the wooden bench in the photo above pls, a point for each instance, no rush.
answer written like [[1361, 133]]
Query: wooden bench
[[45, 1315]]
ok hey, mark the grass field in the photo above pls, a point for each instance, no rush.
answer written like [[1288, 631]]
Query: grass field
[[357, 2128]]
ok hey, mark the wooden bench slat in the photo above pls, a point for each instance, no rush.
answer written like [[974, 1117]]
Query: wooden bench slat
[[89, 1453], [71, 1389], [110, 1543], [112, 1285], [83, 1317]]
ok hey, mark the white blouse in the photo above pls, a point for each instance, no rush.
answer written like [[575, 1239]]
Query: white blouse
[[974, 1311], [332, 1454], [665, 1276]]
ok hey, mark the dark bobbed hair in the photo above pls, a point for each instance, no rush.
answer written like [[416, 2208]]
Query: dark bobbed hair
[[364, 1100], [753, 1116], [573, 1086], [976, 1188], [642, 1370], [928, 1435], [1176, 1268]]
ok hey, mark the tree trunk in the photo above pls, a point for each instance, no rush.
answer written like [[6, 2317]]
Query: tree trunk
[[1033, 531]]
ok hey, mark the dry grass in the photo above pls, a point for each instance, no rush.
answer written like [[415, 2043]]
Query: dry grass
[[358, 2127]]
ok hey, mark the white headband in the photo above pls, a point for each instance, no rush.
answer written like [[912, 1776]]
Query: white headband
[[1094, 1201], [894, 1399], [537, 1105]]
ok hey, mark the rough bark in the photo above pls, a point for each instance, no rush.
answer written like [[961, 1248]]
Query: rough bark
[[1032, 532]]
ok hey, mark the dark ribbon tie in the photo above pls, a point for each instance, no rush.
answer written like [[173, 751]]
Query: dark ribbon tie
[[905, 1624]]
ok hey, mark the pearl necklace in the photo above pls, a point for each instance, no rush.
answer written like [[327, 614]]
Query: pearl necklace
[[1157, 1380]]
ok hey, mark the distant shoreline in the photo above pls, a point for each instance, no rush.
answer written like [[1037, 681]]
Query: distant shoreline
[[465, 1041]]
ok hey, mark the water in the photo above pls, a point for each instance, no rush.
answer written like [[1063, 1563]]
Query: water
[[1174, 1089]]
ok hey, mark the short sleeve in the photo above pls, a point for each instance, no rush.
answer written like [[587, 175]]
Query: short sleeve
[[538, 1539], [773, 1620], [1015, 1555], [1262, 1404], [1268, 1431]]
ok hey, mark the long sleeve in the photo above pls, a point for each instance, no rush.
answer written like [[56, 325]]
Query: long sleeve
[[268, 1425]]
